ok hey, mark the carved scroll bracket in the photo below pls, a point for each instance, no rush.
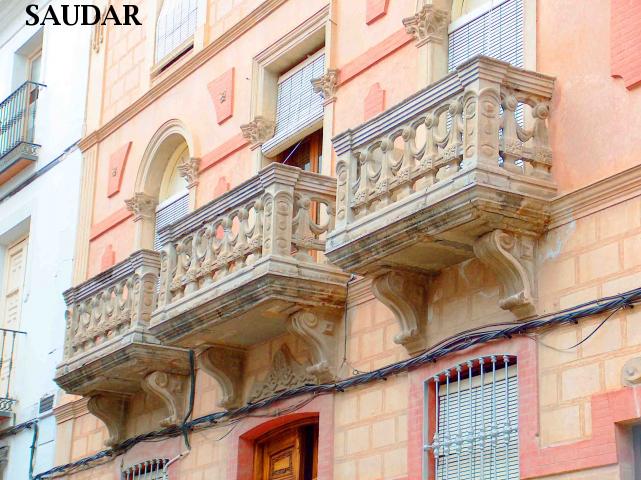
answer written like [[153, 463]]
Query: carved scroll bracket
[[405, 294], [631, 372], [173, 390], [316, 329], [110, 409], [511, 258], [226, 366]]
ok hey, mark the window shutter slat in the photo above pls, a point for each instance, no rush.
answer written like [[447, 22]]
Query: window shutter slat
[[176, 23], [168, 214]]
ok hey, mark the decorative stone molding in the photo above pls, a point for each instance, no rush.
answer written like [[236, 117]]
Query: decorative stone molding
[[111, 410], [326, 85], [226, 365], [511, 258], [405, 294], [188, 169], [173, 390], [316, 329], [285, 373], [631, 372], [143, 206], [258, 131], [429, 24]]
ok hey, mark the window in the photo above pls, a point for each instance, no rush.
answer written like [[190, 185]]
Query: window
[[175, 27], [307, 154], [494, 29], [173, 202], [288, 454], [298, 107], [148, 470], [471, 428], [15, 263]]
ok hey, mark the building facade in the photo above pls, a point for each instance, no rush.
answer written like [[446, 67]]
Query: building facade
[[357, 239], [43, 74]]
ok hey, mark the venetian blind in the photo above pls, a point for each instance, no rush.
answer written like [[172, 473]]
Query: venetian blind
[[297, 105], [176, 23], [477, 431], [167, 213], [497, 33]]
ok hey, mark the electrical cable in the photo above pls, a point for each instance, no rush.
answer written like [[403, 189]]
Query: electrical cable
[[455, 343]]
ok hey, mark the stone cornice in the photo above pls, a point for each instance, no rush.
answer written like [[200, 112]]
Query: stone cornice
[[595, 197], [71, 410], [182, 72]]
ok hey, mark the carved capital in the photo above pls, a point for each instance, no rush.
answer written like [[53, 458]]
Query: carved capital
[[631, 372], [188, 169], [111, 410], [142, 205], [285, 373], [326, 85], [226, 366], [511, 258], [429, 24], [258, 131], [405, 294], [316, 329], [173, 390]]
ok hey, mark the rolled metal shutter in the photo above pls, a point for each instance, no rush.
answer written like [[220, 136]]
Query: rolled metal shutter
[[297, 106]]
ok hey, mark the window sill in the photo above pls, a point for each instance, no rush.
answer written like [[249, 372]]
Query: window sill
[[178, 55]]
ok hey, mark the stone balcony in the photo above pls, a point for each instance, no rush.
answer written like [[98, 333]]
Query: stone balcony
[[109, 354], [461, 169], [249, 266]]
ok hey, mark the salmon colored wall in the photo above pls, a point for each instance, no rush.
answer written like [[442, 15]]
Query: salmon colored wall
[[592, 112]]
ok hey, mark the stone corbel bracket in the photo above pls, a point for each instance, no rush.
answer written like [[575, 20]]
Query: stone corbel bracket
[[631, 372], [405, 294], [511, 258], [173, 390], [316, 329], [226, 366], [111, 410]]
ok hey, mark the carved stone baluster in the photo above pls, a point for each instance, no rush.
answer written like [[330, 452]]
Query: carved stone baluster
[[191, 275], [512, 147], [110, 409], [511, 258], [383, 186], [430, 154], [405, 294], [206, 265], [226, 245], [226, 365], [241, 237], [540, 140], [177, 287], [361, 195], [342, 191], [167, 270], [407, 166]]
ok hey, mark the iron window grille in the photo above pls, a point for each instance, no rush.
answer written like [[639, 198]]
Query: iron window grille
[[154, 469], [176, 24], [470, 430]]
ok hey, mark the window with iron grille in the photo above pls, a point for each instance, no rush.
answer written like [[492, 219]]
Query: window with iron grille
[[148, 470], [471, 421], [176, 24], [298, 106]]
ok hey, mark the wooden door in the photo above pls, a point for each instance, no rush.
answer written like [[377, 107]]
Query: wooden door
[[290, 454]]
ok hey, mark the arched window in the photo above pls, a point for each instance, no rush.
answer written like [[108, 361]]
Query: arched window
[[175, 27], [173, 199]]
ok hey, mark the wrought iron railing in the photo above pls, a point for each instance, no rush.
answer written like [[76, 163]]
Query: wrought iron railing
[[8, 340], [17, 117]]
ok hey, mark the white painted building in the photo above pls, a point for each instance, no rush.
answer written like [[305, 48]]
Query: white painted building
[[39, 194]]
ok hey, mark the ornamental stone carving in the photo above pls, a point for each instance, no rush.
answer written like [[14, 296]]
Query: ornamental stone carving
[[226, 366], [142, 205], [110, 409], [258, 131], [405, 294], [631, 372], [326, 85], [316, 329], [285, 373], [428, 24], [511, 258], [173, 390], [188, 169]]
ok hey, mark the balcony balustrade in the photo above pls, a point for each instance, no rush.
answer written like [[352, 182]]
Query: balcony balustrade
[[17, 122], [8, 342], [450, 173]]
